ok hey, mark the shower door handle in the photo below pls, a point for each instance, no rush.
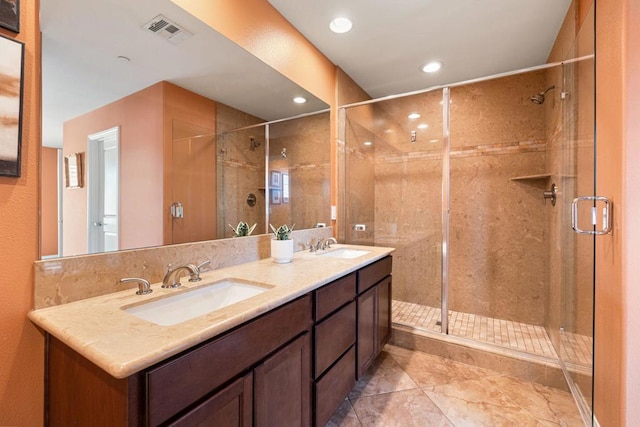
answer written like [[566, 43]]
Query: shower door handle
[[606, 215]]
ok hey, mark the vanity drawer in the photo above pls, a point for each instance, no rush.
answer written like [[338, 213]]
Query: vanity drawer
[[334, 295], [332, 388], [373, 273], [334, 336], [180, 382]]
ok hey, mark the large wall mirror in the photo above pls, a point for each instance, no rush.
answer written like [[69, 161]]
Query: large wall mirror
[[179, 132]]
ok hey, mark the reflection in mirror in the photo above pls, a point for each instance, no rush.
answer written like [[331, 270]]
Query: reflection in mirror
[[296, 190], [193, 183], [299, 171], [164, 112]]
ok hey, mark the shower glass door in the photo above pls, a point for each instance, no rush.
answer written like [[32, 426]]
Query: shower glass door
[[499, 171], [392, 166], [575, 333]]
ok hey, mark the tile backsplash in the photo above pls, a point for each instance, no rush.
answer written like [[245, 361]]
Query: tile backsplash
[[64, 280]]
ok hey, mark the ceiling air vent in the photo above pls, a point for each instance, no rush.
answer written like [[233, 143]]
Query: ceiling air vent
[[167, 29]]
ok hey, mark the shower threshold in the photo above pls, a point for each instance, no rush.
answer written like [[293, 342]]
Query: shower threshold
[[520, 337]]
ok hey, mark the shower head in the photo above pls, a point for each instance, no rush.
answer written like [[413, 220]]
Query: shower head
[[539, 98]]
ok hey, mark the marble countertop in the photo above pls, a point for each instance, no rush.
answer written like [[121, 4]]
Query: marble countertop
[[122, 344]]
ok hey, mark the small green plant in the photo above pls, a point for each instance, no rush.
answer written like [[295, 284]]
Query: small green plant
[[242, 229], [283, 232]]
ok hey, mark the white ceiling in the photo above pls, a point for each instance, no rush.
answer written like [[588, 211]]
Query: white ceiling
[[81, 40], [392, 39], [389, 42]]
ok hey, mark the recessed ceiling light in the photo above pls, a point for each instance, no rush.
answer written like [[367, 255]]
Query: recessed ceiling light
[[414, 116], [340, 25], [423, 126], [299, 100], [368, 143], [432, 67]]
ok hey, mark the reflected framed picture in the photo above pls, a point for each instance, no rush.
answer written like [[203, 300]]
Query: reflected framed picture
[[73, 170], [276, 197], [276, 179], [11, 89], [10, 15]]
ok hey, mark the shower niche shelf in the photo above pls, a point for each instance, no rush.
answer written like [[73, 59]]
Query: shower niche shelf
[[539, 180], [531, 177]]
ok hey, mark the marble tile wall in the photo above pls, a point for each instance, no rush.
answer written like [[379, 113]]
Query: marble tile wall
[[63, 280], [497, 233], [240, 171], [307, 166]]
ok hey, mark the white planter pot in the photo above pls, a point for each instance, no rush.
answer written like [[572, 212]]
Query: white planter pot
[[282, 251]]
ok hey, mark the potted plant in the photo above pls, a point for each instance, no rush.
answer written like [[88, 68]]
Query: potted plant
[[242, 229], [282, 244]]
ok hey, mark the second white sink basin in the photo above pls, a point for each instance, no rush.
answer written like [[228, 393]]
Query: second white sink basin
[[345, 253], [193, 303]]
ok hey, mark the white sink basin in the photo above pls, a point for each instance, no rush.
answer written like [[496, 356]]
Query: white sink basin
[[189, 304], [345, 253]]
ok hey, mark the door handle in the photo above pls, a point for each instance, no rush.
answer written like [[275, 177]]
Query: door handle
[[177, 211], [606, 215]]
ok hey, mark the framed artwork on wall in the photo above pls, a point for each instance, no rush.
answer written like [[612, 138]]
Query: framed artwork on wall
[[73, 170], [276, 197], [10, 15], [276, 179], [11, 88]]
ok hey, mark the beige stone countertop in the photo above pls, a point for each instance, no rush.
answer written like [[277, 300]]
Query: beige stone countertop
[[122, 344]]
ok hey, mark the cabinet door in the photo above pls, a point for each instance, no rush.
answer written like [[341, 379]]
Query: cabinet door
[[384, 312], [283, 386], [230, 407], [367, 330]]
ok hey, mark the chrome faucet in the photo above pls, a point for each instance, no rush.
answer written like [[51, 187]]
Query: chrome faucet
[[172, 277], [143, 284], [326, 243]]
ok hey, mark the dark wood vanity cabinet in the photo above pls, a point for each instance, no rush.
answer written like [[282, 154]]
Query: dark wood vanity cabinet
[[254, 374], [292, 366], [374, 312], [335, 339]]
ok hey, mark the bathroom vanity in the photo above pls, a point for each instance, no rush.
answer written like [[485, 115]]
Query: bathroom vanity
[[286, 357]]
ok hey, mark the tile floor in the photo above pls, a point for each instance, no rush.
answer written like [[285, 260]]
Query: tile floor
[[407, 388]]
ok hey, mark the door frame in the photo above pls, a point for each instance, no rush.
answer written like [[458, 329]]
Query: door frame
[[94, 184]]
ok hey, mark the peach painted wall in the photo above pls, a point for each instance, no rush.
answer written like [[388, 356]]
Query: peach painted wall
[[617, 342], [21, 344], [139, 116], [49, 202], [195, 184], [259, 28], [631, 212]]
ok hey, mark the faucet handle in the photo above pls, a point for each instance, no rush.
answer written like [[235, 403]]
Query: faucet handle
[[203, 263], [195, 275], [144, 287]]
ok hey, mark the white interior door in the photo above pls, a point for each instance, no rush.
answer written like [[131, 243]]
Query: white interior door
[[103, 191]]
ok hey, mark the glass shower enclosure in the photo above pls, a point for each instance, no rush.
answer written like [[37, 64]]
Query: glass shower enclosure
[[473, 185]]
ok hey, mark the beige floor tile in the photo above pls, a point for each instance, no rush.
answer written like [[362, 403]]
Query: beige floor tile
[[383, 376], [344, 416], [400, 409], [429, 370], [543, 403], [476, 403]]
